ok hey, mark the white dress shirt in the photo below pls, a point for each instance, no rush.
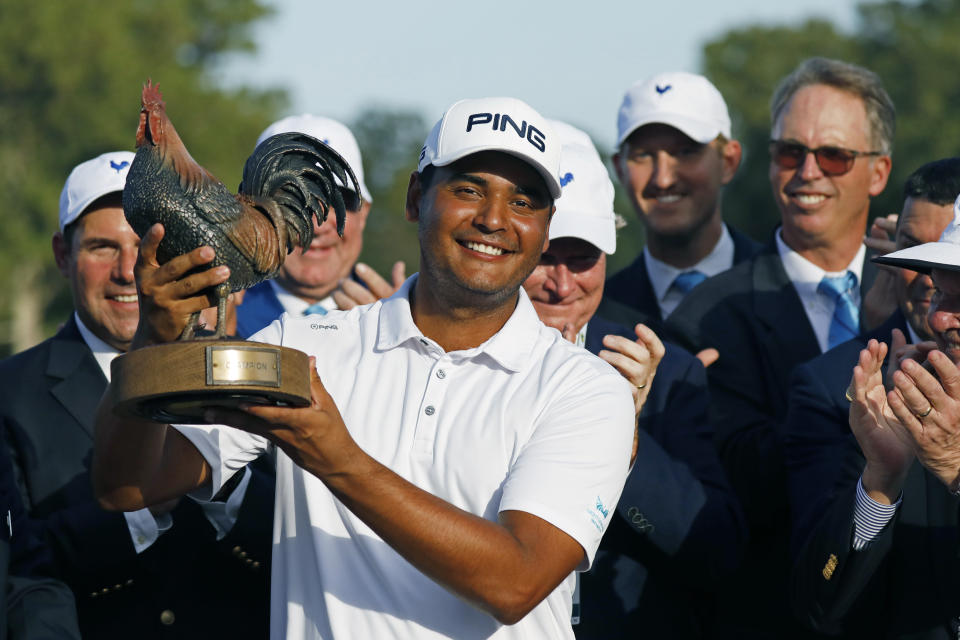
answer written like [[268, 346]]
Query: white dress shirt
[[526, 421], [662, 274], [806, 277], [297, 306], [144, 528]]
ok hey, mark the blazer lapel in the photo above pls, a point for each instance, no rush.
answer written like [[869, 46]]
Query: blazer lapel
[[77, 381], [788, 336]]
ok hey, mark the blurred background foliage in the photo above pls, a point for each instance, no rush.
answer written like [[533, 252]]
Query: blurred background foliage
[[70, 76]]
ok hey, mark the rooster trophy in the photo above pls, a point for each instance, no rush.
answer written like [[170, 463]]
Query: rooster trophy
[[289, 180]]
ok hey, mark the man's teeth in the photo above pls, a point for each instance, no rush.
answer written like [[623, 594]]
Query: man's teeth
[[668, 199], [126, 298], [484, 248], [804, 198]]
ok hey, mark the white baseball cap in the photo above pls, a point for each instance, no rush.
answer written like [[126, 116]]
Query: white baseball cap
[[507, 125], [943, 254], [685, 101], [586, 209], [328, 131], [91, 180]]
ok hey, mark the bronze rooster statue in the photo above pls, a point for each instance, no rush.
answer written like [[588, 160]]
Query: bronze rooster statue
[[287, 182]]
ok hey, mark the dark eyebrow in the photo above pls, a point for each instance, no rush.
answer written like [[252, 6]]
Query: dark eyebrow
[[531, 191], [468, 177]]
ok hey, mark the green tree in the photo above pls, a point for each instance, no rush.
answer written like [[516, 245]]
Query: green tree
[[71, 74], [911, 45], [390, 140]]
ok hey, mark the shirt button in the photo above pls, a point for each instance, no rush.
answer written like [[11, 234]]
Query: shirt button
[[141, 539], [429, 410], [167, 617], [441, 374]]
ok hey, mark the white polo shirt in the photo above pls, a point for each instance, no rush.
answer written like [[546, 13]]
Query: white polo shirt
[[526, 421]]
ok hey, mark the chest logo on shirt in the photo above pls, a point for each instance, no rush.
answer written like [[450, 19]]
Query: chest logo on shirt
[[316, 326]]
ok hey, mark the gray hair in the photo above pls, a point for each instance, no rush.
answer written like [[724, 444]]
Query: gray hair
[[863, 83]]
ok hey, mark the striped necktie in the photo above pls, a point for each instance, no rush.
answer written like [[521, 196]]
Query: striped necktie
[[845, 323]]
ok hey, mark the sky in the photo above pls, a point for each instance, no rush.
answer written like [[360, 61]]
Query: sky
[[570, 61]]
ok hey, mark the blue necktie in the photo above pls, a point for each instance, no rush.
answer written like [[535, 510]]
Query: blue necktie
[[315, 308], [687, 281], [845, 324]]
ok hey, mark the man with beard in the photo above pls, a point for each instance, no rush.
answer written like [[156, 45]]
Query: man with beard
[[459, 460]]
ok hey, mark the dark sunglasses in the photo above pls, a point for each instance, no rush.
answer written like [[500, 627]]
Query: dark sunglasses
[[833, 161]]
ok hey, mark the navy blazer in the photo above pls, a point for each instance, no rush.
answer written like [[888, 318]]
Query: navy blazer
[[260, 307], [678, 531], [906, 583], [33, 605], [48, 399], [631, 287], [753, 316]]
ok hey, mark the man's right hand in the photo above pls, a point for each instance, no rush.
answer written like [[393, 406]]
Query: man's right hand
[[883, 440], [168, 296]]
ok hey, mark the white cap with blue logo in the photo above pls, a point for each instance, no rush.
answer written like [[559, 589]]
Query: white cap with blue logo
[[507, 125], [328, 131], [684, 101], [90, 180], [586, 209]]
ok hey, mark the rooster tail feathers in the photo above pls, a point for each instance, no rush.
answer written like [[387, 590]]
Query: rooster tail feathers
[[299, 172]]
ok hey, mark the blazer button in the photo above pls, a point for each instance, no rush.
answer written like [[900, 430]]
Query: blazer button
[[167, 617]]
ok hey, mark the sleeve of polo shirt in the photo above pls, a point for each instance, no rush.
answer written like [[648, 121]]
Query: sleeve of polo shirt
[[572, 469], [226, 449]]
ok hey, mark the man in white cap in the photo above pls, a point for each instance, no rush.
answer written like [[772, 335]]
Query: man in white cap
[[876, 533], [675, 153], [831, 135], [678, 530], [460, 459], [308, 280], [154, 571]]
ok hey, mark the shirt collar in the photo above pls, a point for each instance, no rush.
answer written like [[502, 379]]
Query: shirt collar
[[295, 305], [718, 260], [805, 275], [510, 347], [102, 352]]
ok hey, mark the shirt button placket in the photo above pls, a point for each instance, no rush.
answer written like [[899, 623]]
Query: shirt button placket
[[427, 421]]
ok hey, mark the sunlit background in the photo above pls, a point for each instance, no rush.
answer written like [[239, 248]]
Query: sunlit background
[[71, 71]]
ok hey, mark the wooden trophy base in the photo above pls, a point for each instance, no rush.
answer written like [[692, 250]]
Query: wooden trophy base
[[178, 381]]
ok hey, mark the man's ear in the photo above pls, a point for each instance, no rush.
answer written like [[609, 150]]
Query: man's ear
[[618, 168], [546, 238], [414, 196], [730, 156], [61, 253]]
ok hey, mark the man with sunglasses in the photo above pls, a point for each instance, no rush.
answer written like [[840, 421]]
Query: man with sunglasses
[[832, 131], [675, 155]]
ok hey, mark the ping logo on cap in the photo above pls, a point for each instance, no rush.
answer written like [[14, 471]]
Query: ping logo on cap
[[499, 122], [118, 166], [566, 179], [662, 90]]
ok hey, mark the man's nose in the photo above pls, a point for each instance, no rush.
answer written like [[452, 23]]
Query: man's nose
[[491, 216], [562, 281], [810, 170], [123, 269], [664, 170]]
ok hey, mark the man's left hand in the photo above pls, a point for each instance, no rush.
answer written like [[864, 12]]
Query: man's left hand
[[929, 409], [636, 361], [351, 294]]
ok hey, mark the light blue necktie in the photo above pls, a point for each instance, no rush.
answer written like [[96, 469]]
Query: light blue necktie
[[688, 280], [315, 308], [845, 323]]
